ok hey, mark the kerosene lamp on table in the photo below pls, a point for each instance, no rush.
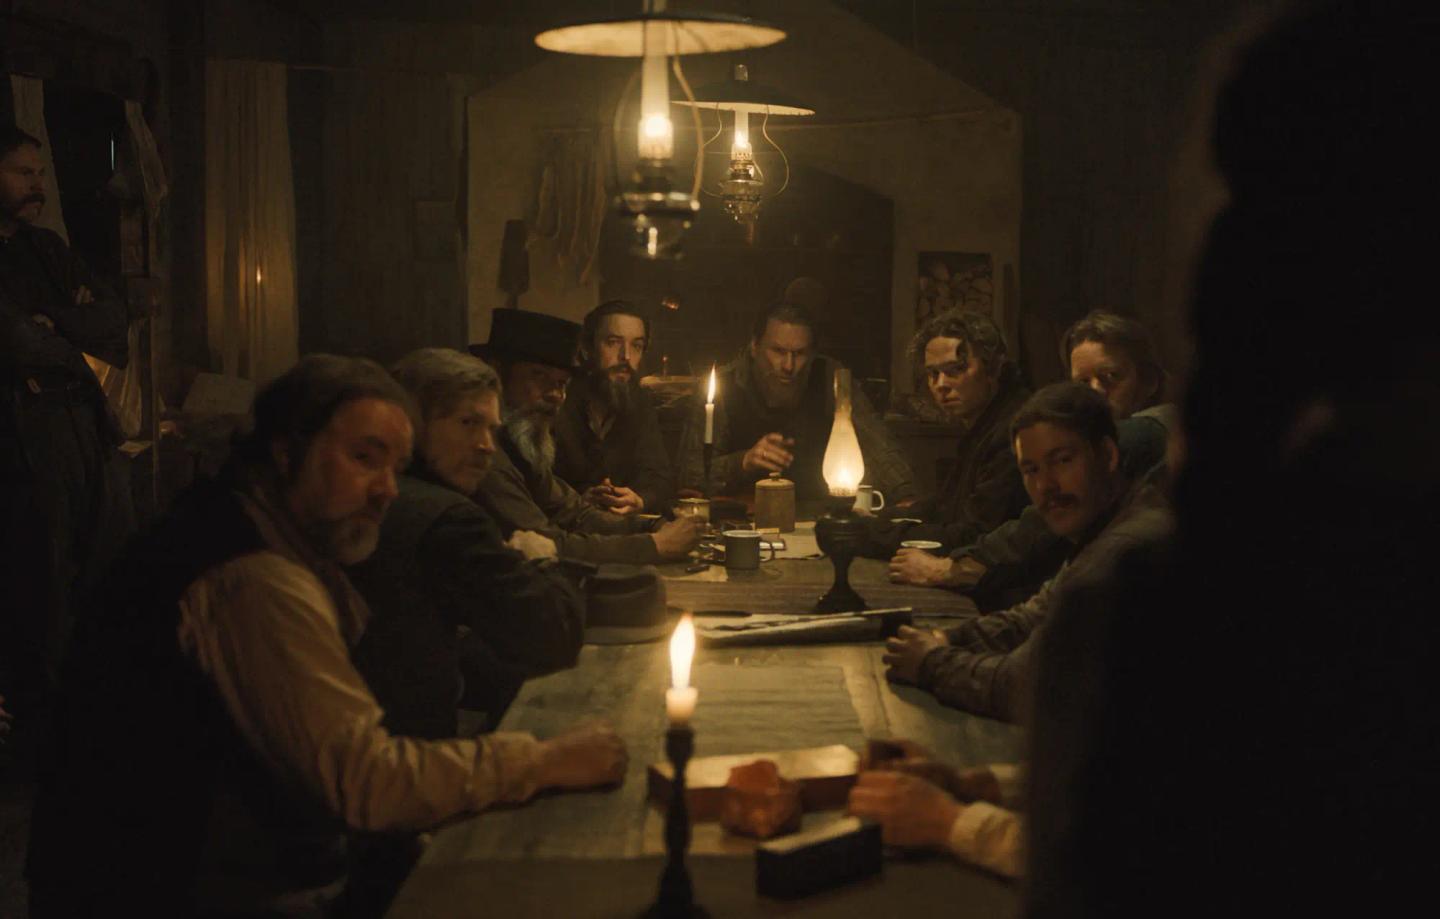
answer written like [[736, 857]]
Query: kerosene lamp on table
[[840, 533]]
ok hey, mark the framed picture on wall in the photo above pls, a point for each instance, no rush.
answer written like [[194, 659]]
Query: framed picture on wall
[[950, 280]]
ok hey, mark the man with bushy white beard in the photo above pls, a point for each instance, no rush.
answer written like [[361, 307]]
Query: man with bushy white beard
[[535, 355]]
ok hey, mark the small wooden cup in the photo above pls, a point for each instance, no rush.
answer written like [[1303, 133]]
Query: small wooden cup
[[775, 504]]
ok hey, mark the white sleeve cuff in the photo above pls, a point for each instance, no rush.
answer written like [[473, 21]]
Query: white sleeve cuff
[[988, 836]]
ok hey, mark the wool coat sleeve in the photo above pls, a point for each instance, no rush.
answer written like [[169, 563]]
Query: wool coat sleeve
[[528, 612], [1019, 551], [506, 495], [98, 327], [28, 347], [654, 476]]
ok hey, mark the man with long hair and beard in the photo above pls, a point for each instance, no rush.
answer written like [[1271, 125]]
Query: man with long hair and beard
[[607, 434], [535, 355]]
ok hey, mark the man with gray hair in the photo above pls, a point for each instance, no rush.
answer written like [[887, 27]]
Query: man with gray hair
[[458, 615]]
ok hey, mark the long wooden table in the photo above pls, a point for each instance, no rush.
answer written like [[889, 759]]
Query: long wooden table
[[534, 860]]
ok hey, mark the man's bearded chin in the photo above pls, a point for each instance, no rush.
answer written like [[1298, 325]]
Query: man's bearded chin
[[782, 395], [612, 387], [532, 429], [348, 541], [26, 209]]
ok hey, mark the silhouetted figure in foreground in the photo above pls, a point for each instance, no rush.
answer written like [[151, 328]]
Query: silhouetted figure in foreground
[[1267, 745]]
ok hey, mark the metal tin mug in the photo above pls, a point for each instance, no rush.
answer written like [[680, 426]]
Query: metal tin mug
[[742, 550], [868, 500]]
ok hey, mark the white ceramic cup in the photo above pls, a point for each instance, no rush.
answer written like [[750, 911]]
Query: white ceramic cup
[[868, 500]]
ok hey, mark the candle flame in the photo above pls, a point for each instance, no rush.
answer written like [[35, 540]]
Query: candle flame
[[258, 276], [740, 147], [710, 399], [682, 652], [656, 127]]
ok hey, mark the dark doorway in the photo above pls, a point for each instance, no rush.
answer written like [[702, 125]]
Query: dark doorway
[[87, 138], [822, 227]]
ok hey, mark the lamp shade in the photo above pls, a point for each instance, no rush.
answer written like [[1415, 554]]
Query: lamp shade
[[689, 32], [746, 96]]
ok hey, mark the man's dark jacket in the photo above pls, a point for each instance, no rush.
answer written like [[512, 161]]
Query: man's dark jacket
[[64, 505], [1022, 553], [442, 570], [988, 665], [631, 454], [982, 491]]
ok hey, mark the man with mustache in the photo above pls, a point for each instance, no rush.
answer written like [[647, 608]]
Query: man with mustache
[[1065, 446], [607, 435], [535, 355], [1114, 356], [64, 504], [774, 407], [215, 740]]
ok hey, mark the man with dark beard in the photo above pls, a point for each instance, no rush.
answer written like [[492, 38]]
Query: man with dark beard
[[64, 505], [774, 407], [607, 436], [535, 355]]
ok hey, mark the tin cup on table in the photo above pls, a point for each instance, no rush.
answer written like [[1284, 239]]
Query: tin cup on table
[[742, 550], [868, 500]]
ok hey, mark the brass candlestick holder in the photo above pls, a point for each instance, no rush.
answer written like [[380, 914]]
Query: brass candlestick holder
[[840, 535], [676, 899]]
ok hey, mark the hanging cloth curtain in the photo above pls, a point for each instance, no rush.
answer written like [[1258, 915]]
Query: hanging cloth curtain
[[250, 298], [570, 206]]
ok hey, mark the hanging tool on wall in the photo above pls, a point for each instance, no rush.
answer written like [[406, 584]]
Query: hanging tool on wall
[[514, 263]]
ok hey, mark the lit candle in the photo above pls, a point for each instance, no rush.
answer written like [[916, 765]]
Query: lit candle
[[681, 696], [259, 277], [710, 409]]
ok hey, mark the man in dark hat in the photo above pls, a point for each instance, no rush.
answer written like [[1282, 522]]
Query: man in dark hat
[[607, 435], [64, 510], [535, 355]]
